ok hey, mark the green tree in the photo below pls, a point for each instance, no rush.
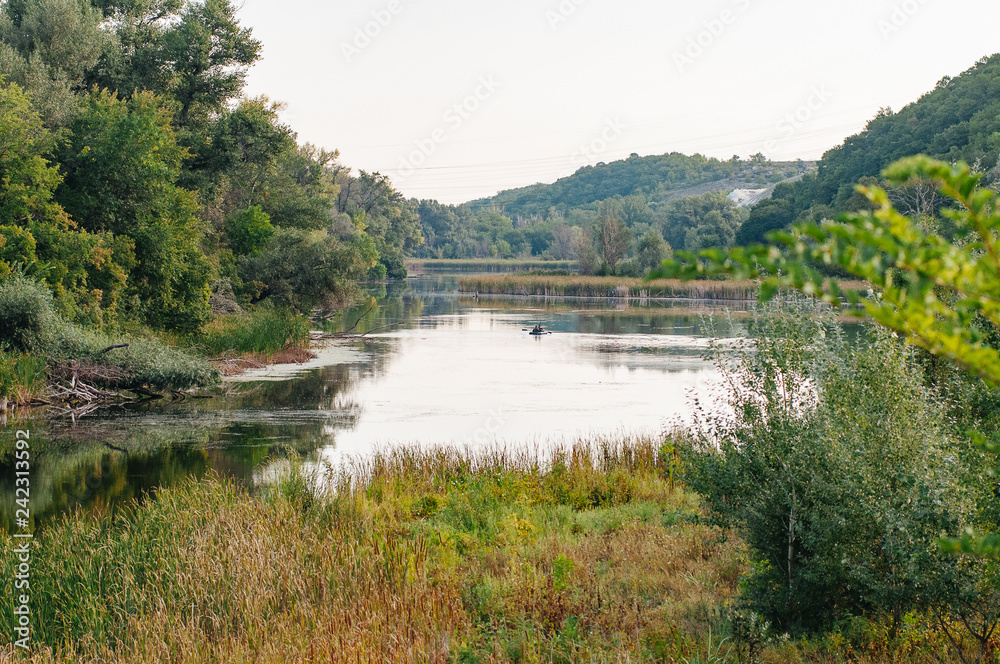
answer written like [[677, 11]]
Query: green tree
[[122, 163], [613, 237], [85, 270], [48, 47], [835, 464], [652, 250], [210, 53], [249, 230], [766, 216]]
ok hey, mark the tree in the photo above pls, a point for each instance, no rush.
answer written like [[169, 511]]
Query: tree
[[940, 295], [122, 164], [85, 270], [803, 406], [613, 236], [695, 213], [652, 250], [210, 54], [249, 230], [48, 47], [766, 216]]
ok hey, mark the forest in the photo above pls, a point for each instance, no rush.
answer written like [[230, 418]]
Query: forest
[[141, 185]]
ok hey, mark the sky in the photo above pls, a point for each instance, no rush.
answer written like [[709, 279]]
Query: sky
[[459, 99]]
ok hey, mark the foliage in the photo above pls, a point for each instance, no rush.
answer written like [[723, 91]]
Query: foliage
[[955, 121], [943, 296], [657, 178], [248, 231], [29, 323], [652, 250], [697, 222], [304, 269], [772, 215], [122, 165], [836, 466], [163, 177]]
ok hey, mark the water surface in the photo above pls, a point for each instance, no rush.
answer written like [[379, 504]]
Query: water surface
[[438, 367]]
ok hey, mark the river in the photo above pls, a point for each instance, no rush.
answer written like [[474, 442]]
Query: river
[[439, 367]]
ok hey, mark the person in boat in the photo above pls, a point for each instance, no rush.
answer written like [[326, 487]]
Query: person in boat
[[538, 330]]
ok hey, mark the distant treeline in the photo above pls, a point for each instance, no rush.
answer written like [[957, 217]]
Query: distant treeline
[[619, 218]]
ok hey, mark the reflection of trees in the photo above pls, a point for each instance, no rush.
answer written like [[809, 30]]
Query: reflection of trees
[[120, 455]]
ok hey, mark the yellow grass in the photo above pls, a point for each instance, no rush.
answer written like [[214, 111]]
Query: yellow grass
[[621, 287]]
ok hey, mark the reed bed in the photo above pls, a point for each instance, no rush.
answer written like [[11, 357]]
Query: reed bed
[[263, 332], [499, 265], [615, 287], [585, 553]]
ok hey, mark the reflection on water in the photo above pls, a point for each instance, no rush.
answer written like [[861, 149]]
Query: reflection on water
[[436, 367]]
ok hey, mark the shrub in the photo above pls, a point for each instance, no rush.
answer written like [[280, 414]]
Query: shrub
[[27, 316], [29, 323], [836, 466]]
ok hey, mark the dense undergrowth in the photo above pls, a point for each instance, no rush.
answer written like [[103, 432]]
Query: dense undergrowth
[[31, 327]]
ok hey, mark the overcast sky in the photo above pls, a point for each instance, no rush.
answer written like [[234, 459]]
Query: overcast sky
[[458, 99]]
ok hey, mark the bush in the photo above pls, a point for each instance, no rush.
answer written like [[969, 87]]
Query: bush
[[29, 323], [837, 468], [27, 315]]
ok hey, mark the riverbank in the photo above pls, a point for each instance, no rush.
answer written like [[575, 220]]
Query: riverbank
[[595, 554], [433, 556], [617, 287], [47, 360]]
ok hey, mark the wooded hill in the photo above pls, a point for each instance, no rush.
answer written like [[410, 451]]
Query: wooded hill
[[958, 120], [658, 178]]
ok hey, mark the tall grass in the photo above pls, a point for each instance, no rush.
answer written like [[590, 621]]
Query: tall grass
[[264, 331], [621, 287], [435, 556], [439, 555], [22, 378]]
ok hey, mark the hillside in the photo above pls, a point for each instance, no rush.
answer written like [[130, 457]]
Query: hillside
[[657, 178], [958, 120]]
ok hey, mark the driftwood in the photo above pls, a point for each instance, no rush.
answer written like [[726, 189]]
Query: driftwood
[[110, 348]]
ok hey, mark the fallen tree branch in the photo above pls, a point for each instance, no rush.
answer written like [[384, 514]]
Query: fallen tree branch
[[109, 348]]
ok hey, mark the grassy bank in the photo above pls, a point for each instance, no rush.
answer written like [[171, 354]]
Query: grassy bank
[[499, 265], [262, 334], [584, 286], [435, 556]]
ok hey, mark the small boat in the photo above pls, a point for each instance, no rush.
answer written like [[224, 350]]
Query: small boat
[[539, 331]]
